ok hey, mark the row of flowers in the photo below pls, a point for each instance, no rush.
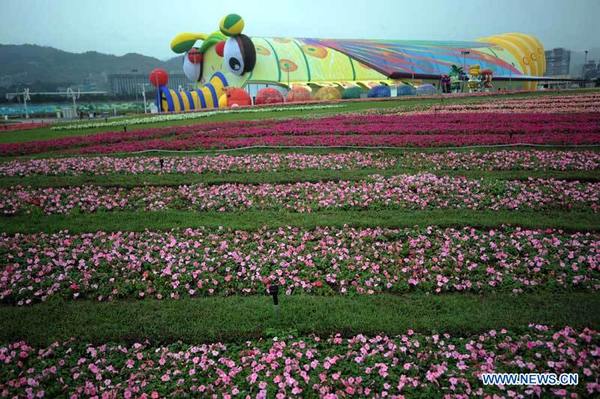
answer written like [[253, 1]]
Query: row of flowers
[[11, 127], [363, 141], [460, 123], [423, 130], [225, 163], [550, 104], [190, 115], [270, 162], [421, 191], [408, 365], [370, 130], [204, 262]]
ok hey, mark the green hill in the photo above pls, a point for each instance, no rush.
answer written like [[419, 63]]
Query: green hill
[[47, 68]]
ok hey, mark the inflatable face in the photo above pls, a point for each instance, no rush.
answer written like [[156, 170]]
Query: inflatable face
[[235, 58], [227, 51], [224, 59]]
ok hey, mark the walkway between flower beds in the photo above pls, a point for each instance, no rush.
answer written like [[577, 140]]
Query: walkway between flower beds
[[239, 318], [250, 219]]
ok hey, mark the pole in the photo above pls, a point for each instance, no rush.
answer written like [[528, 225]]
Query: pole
[[274, 291], [144, 97], [25, 99]]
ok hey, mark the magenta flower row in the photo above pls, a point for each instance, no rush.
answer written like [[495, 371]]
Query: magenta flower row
[[364, 130]]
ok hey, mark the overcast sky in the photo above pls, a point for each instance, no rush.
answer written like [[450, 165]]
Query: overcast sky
[[123, 26]]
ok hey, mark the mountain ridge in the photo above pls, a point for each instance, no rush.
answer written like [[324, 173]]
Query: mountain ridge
[[44, 67]]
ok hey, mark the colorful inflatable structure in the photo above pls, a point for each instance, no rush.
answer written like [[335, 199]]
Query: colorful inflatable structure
[[229, 58]]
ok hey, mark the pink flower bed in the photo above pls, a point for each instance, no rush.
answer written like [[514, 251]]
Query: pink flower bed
[[503, 160], [271, 162], [205, 262], [207, 164], [407, 365], [546, 104], [421, 191]]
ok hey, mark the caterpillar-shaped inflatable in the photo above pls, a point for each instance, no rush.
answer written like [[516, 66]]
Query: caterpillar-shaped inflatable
[[228, 58], [206, 96]]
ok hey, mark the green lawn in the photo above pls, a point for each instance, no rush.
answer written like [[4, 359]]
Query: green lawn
[[241, 318], [124, 180]]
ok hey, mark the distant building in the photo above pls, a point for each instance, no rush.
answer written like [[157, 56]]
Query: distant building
[[590, 70], [558, 62], [131, 83]]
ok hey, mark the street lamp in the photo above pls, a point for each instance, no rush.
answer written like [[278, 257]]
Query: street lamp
[[74, 96], [510, 76], [26, 98], [144, 96], [584, 63]]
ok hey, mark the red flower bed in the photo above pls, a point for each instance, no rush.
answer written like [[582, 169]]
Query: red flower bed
[[422, 130], [21, 126]]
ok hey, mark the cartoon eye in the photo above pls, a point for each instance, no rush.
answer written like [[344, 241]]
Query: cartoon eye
[[233, 56], [239, 54]]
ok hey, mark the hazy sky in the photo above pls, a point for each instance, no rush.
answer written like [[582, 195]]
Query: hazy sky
[[147, 26]]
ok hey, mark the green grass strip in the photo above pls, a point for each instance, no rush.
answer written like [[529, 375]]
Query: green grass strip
[[251, 220], [242, 318], [290, 176]]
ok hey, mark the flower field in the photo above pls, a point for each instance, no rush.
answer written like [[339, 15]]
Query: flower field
[[400, 272], [567, 104], [418, 129], [409, 365], [107, 266], [422, 191], [270, 162]]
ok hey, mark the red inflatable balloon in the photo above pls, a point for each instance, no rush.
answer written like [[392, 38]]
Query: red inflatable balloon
[[159, 77], [298, 94], [268, 95], [237, 97]]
